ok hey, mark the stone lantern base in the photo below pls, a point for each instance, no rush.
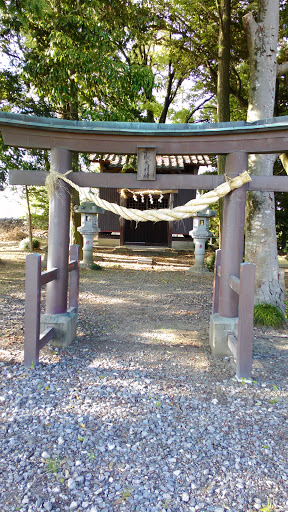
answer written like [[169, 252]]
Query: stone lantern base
[[198, 270]]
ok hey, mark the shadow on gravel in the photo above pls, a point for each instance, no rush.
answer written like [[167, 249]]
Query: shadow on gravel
[[158, 316]]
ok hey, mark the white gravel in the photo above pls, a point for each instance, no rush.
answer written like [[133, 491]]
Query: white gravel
[[107, 433], [119, 423]]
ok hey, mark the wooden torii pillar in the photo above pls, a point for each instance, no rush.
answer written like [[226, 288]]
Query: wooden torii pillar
[[226, 319], [64, 321], [58, 234]]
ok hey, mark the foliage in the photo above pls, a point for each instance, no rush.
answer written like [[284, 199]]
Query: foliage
[[67, 52], [122, 61], [268, 315], [39, 207], [95, 266], [210, 262], [270, 507], [25, 244], [53, 465], [126, 493], [281, 208], [63, 59]]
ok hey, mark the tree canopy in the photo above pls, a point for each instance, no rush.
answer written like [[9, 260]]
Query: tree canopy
[[135, 60]]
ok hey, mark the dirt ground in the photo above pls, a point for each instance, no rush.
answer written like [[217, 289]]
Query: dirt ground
[[155, 311]]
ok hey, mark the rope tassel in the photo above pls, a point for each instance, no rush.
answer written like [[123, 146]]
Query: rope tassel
[[180, 212]]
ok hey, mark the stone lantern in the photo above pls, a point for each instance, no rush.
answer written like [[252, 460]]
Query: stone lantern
[[89, 227], [200, 233]]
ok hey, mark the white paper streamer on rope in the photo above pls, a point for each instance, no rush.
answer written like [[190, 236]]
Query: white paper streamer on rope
[[179, 212]]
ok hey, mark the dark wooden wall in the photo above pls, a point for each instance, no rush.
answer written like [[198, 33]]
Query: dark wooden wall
[[185, 225], [108, 221]]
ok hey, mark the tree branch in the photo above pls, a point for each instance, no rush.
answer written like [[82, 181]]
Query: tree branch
[[250, 27], [243, 102], [282, 69], [284, 160], [198, 108]]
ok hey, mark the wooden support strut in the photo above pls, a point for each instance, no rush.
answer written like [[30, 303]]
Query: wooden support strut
[[73, 269], [33, 340], [217, 269], [246, 320], [241, 345]]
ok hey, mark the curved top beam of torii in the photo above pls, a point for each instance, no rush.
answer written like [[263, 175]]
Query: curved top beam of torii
[[264, 136]]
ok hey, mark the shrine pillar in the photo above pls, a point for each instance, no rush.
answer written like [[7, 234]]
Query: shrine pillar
[[232, 249], [58, 234], [56, 314]]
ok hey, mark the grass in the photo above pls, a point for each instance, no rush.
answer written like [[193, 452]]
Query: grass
[[25, 244], [268, 315], [53, 465], [270, 507], [12, 276], [95, 266], [210, 262]]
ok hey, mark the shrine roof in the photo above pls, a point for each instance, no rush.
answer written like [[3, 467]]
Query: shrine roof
[[163, 162]]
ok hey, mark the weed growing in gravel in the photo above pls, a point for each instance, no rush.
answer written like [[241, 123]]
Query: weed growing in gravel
[[126, 493], [247, 381], [53, 465], [166, 504], [270, 507], [275, 400]]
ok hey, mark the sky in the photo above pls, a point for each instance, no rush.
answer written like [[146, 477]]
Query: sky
[[11, 204]]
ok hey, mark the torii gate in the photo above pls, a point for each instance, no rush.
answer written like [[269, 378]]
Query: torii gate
[[63, 137]]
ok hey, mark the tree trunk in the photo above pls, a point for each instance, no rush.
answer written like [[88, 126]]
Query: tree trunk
[[223, 75], [75, 236], [70, 111], [260, 229], [223, 81], [169, 96], [29, 220]]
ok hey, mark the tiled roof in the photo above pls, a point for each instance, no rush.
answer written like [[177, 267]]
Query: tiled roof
[[162, 161]]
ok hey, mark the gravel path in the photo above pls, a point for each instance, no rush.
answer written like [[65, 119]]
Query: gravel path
[[136, 415]]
